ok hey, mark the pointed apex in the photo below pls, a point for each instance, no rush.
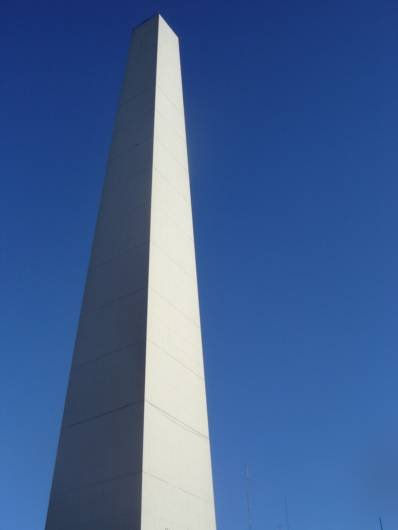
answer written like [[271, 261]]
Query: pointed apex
[[156, 17], [165, 24]]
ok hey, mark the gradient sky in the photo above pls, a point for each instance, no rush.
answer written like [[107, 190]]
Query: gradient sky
[[292, 111]]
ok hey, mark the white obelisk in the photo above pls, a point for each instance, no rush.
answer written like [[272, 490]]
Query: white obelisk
[[134, 450]]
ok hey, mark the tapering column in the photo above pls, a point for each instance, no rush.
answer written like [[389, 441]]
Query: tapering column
[[134, 450]]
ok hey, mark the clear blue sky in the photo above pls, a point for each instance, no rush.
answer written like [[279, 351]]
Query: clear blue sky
[[292, 114]]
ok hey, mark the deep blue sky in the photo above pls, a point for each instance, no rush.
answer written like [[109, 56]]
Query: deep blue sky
[[292, 114]]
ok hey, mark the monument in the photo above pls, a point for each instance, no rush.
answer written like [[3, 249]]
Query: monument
[[134, 450]]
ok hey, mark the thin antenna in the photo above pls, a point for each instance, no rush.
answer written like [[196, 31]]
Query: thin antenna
[[287, 515], [248, 503], [381, 524]]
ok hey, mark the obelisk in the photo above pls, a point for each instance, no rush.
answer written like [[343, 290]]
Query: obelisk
[[134, 450]]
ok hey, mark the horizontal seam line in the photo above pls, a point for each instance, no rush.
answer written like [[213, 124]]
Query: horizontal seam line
[[176, 487], [129, 147], [180, 133], [119, 253], [113, 179], [108, 353], [160, 88], [187, 317], [163, 176], [166, 212], [167, 255], [196, 347], [113, 182], [76, 365], [172, 154], [140, 205], [110, 302], [164, 322], [104, 481], [176, 421], [150, 87], [107, 413], [165, 352], [122, 128]]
